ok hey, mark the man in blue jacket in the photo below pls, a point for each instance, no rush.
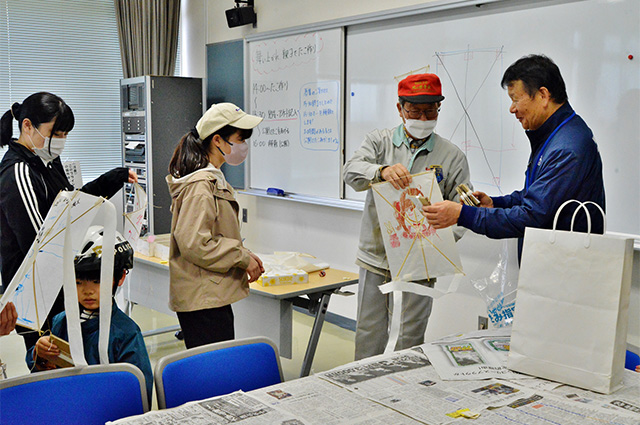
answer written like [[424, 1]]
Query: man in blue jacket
[[564, 163]]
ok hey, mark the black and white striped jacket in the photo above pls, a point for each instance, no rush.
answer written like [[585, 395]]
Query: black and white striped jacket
[[27, 190]]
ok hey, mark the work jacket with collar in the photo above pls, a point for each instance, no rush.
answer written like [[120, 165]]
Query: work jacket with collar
[[389, 147], [207, 261]]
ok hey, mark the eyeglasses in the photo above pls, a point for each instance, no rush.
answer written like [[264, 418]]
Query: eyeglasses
[[416, 114]]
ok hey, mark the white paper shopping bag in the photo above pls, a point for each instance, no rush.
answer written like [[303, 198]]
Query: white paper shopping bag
[[570, 321]]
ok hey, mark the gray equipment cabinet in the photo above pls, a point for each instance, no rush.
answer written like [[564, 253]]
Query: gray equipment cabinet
[[156, 113]]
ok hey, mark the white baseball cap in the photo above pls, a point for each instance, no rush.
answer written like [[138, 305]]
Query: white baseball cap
[[222, 114]]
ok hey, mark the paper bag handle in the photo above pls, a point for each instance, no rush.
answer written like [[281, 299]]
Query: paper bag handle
[[584, 204], [581, 205]]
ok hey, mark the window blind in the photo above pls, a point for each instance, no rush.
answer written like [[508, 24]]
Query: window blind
[[178, 69], [70, 48]]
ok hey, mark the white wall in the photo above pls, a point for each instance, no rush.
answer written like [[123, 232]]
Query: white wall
[[280, 14], [193, 27]]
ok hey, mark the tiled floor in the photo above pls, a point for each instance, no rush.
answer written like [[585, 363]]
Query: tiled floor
[[336, 345]]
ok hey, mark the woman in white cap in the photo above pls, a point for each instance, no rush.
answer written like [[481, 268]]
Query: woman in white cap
[[209, 267]]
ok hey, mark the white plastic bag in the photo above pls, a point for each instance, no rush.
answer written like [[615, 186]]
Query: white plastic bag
[[498, 289]]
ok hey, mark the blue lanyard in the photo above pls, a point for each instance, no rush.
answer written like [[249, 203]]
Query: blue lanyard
[[531, 174]]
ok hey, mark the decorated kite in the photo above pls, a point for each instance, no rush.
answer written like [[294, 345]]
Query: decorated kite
[[134, 219], [49, 266], [415, 250]]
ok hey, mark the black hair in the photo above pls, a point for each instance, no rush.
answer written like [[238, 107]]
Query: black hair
[[536, 71], [192, 154], [40, 108]]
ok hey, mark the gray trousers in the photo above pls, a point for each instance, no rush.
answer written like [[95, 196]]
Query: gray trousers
[[374, 316]]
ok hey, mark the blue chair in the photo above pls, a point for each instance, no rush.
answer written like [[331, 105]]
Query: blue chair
[[216, 369], [84, 394], [632, 360]]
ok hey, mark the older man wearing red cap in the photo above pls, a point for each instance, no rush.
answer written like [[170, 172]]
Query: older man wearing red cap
[[393, 155]]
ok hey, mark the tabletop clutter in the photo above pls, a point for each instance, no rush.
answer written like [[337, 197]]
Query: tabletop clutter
[[288, 268], [280, 268], [154, 246]]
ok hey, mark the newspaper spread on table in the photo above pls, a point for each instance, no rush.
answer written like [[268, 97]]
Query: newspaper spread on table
[[309, 401], [316, 401], [404, 388], [475, 355], [626, 399], [237, 407], [405, 383]]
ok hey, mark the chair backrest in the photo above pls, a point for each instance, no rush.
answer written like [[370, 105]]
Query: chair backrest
[[85, 394], [632, 360], [215, 369]]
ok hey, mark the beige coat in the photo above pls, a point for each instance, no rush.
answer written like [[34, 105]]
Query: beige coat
[[207, 261]]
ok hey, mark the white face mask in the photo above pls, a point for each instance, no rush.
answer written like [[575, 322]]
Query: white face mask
[[52, 148], [420, 129], [238, 154]]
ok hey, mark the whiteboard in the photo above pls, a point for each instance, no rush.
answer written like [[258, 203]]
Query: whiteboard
[[295, 85], [469, 49]]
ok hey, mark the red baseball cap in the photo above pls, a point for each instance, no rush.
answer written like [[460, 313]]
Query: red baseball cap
[[420, 88]]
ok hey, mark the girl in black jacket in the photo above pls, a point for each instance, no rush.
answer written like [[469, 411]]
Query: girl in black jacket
[[31, 175]]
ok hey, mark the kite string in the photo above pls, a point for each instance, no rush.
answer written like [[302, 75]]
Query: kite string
[[35, 349]]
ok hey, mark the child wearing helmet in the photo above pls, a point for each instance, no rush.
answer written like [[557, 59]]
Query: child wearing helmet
[[126, 344]]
